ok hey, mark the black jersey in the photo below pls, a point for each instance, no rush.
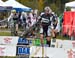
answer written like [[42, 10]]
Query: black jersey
[[47, 19], [15, 17]]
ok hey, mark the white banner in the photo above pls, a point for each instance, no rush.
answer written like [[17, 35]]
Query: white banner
[[52, 52], [9, 40], [58, 43], [49, 52], [6, 50], [66, 44]]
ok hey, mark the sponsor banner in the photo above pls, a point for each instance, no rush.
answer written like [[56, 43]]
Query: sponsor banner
[[6, 50], [8, 40], [23, 50], [67, 44], [23, 41], [57, 44], [47, 52], [52, 52]]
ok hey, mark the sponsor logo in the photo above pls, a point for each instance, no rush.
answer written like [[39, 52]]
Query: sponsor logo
[[23, 41], [7, 40], [73, 43], [23, 50], [2, 51], [71, 53]]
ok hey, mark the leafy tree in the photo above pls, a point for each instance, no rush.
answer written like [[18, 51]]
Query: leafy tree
[[29, 3], [54, 8], [40, 5], [56, 5]]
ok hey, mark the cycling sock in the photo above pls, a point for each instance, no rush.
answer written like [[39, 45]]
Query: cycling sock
[[49, 43], [16, 33], [54, 37]]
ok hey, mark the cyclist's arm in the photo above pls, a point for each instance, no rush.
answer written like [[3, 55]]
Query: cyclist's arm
[[10, 17]]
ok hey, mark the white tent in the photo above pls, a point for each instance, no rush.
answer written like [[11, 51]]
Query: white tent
[[16, 5], [3, 4], [70, 4]]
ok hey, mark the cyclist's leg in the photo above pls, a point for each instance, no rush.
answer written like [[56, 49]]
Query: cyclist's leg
[[12, 27], [54, 35], [16, 27], [55, 31], [41, 36], [16, 31], [12, 30], [48, 36]]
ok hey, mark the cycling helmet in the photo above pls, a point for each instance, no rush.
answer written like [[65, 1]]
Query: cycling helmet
[[13, 11], [47, 8]]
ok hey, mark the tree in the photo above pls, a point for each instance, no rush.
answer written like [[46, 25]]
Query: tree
[[71, 0], [30, 3], [56, 5], [54, 8], [40, 5]]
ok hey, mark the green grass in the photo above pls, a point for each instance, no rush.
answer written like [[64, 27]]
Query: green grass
[[4, 28], [5, 34], [62, 37], [9, 34]]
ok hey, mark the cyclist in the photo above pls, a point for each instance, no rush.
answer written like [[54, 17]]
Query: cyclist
[[13, 19], [56, 28], [46, 19], [23, 20]]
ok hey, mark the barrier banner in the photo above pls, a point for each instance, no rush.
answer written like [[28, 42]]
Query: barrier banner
[[23, 41], [66, 44], [6, 50], [11, 40], [23, 50], [48, 52], [36, 52]]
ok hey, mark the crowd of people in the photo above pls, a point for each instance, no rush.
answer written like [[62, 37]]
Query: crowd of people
[[49, 23]]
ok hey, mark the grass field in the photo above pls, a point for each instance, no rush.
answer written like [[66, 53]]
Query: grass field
[[9, 34], [5, 34]]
